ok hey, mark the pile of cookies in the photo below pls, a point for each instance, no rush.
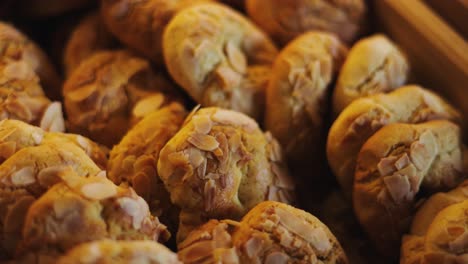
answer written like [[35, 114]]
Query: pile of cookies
[[199, 131]]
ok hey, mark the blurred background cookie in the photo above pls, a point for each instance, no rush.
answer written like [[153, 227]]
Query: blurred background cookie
[[119, 252], [100, 95], [362, 118], [285, 20], [214, 59], [374, 65], [140, 24], [398, 165], [88, 37], [438, 233]]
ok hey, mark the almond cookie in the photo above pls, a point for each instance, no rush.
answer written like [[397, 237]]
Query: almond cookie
[[102, 94], [26, 175], [88, 37], [374, 65], [133, 161], [79, 210], [271, 232], [16, 47], [399, 164], [428, 224], [22, 97], [119, 252], [274, 232], [16, 135], [220, 165], [285, 20], [362, 118], [297, 92], [140, 24], [210, 51]]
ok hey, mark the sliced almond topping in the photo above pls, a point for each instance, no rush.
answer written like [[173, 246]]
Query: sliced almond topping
[[102, 174], [191, 115], [386, 165], [202, 123], [398, 186], [203, 142], [178, 158], [148, 105], [228, 78], [83, 143], [99, 190], [423, 151], [402, 162], [19, 70], [201, 170], [253, 246], [234, 142], [37, 137], [137, 209], [51, 175], [52, 119], [236, 58], [233, 118], [195, 156], [295, 224], [23, 176], [277, 258], [209, 193]]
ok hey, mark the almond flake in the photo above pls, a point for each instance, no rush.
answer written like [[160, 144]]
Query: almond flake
[[236, 58], [209, 193], [52, 119], [386, 165], [277, 258], [228, 78], [233, 118], [137, 209], [202, 123], [23, 176], [51, 175], [402, 162], [398, 186], [203, 142], [148, 105], [37, 137], [253, 246], [99, 190]]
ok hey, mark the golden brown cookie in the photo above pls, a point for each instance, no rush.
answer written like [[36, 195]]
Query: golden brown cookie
[[280, 233], [210, 51], [285, 20], [79, 210], [88, 37], [26, 175], [396, 166], [22, 98], [438, 232], [220, 165], [297, 92], [119, 252], [271, 232], [140, 24], [362, 118], [102, 92], [133, 161], [16, 135], [374, 65], [16, 47]]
